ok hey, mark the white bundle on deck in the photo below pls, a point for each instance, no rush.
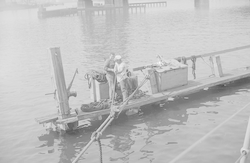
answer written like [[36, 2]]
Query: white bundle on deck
[[170, 64]]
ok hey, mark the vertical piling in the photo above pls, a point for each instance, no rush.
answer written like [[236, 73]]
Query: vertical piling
[[212, 64], [60, 86], [218, 61]]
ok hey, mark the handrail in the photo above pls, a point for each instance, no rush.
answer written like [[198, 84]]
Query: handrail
[[204, 55], [220, 52]]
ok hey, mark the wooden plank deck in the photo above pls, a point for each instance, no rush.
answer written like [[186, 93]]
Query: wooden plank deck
[[191, 87]]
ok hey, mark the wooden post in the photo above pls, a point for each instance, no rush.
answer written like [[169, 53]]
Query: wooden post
[[60, 86], [218, 61], [93, 90], [212, 64]]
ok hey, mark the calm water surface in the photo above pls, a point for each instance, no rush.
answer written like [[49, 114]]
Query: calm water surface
[[159, 134]]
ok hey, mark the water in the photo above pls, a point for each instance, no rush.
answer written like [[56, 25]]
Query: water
[[160, 134]]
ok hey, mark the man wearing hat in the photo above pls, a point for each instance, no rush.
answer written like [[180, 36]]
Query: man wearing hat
[[120, 70]]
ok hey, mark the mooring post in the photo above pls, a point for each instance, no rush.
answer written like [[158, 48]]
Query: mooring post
[[212, 65], [60, 86], [218, 61]]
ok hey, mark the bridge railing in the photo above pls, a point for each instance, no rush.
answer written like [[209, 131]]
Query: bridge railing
[[150, 4]]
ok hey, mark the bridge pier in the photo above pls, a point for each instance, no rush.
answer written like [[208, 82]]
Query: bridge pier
[[116, 3], [84, 3], [201, 4]]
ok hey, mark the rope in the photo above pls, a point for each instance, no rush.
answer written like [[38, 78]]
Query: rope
[[96, 135], [99, 76], [210, 65], [87, 77], [204, 137], [126, 101], [193, 59], [242, 155], [184, 60], [100, 149]]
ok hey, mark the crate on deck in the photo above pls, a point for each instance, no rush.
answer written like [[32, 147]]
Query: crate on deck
[[172, 75], [99, 90]]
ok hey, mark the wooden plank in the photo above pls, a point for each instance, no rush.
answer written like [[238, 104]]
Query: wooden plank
[[47, 119], [68, 119]]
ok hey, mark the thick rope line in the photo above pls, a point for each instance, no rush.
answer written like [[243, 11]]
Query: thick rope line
[[96, 135], [126, 101], [208, 134], [100, 149], [242, 155], [193, 59]]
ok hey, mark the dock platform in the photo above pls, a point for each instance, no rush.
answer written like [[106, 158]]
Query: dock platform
[[75, 117], [192, 87]]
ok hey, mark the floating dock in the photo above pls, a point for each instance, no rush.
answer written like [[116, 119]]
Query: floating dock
[[192, 86]]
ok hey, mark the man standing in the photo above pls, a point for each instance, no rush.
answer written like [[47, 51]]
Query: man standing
[[110, 75], [120, 70]]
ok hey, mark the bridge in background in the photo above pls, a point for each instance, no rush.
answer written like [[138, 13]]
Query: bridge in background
[[125, 3]]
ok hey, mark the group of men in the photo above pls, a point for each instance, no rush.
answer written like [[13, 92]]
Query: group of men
[[116, 72]]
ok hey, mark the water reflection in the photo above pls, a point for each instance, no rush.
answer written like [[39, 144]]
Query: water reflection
[[48, 139], [201, 4], [69, 145], [140, 135], [104, 34]]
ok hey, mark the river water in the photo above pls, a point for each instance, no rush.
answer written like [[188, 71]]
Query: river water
[[159, 134]]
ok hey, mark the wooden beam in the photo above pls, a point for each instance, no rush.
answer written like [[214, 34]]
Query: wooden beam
[[60, 86], [221, 52], [206, 55], [47, 119]]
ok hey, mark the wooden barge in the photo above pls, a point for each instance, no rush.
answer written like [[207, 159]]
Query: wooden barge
[[67, 119]]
